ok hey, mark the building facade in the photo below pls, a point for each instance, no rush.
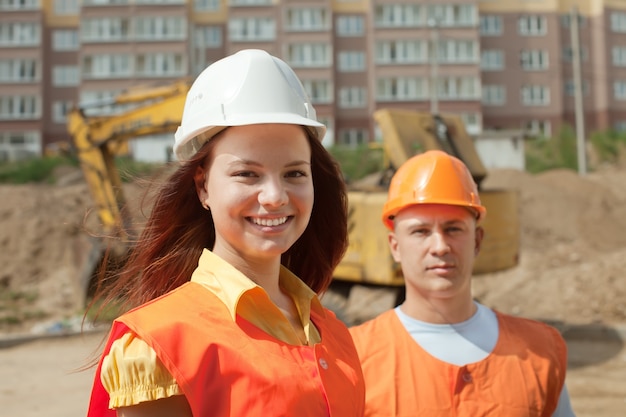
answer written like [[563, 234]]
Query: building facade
[[500, 64]]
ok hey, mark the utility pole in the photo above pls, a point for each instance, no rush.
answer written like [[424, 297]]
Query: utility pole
[[578, 93], [434, 66]]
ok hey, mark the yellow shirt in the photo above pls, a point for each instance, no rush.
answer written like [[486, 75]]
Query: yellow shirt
[[132, 373]]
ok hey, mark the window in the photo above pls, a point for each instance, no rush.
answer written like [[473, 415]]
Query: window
[[473, 123], [66, 7], [107, 66], [351, 61], [161, 64], [19, 145], [454, 15], [65, 76], [60, 109], [567, 18], [252, 29], [65, 40], [618, 21], [109, 29], [570, 88], [538, 127], [208, 37], [19, 107], [619, 90], [20, 34], [532, 25], [236, 3], [493, 95], [19, 5], [88, 98], [18, 70], [401, 88], [160, 1], [401, 52], [353, 137], [618, 54], [104, 2], [350, 26], [490, 25], [399, 15], [534, 60], [309, 55], [620, 126], [535, 95], [329, 137], [206, 5], [491, 60], [308, 19], [353, 97], [158, 28], [455, 51], [453, 88], [319, 91], [568, 54]]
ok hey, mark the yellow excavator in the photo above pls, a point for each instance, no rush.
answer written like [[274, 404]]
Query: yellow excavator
[[367, 281]]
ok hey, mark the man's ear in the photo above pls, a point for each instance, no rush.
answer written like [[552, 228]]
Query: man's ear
[[478, 239], [199, 180], [393, 246]]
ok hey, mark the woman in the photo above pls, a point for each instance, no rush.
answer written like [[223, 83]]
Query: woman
[[225, 274]]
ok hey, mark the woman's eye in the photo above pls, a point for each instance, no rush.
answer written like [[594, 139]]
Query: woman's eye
[[245, 174], [296, 174]]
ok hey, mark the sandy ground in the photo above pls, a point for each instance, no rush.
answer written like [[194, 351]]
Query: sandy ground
[[40, 377]]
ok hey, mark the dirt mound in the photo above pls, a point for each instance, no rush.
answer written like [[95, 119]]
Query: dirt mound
[[48, 233], [573, 249]]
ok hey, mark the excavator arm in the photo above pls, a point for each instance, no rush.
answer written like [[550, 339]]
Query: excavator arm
[[406, 133], [98, 139]]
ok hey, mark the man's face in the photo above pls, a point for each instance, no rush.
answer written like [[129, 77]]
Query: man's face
[[436, 245]]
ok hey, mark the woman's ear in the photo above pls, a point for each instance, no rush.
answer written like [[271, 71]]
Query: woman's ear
[[199, 179]]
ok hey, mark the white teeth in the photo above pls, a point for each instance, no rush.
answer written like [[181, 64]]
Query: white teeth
[[269, 222]]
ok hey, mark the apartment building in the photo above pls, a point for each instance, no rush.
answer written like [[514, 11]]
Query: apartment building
[[527, 59], [499, 64]]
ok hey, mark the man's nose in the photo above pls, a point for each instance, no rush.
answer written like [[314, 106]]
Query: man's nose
[[439, 243]]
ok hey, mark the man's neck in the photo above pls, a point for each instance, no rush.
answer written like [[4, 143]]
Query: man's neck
[[439, 310]]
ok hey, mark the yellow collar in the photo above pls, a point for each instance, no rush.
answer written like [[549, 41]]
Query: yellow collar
[[245, 298]]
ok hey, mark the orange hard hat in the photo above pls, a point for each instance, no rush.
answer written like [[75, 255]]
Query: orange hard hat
[[432, 177]]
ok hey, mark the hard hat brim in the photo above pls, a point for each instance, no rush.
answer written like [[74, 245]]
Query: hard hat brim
[[194, 140]]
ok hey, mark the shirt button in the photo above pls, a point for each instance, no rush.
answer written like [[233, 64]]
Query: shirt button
[[467, 377], [323, 363]]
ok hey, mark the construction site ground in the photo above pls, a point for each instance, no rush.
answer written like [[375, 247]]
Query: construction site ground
[[572, 274]]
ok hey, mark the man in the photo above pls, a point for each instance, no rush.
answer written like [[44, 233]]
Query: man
[[441, 353]]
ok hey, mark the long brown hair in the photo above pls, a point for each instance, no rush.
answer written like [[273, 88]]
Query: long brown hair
[[179, 228]]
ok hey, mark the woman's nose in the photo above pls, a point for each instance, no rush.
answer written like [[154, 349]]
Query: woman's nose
[[273, 193]]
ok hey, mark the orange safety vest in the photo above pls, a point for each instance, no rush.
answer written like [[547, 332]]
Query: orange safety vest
[[235, 369], [522, 377]]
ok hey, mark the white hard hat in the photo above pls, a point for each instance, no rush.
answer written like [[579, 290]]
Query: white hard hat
[[248, 87]]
